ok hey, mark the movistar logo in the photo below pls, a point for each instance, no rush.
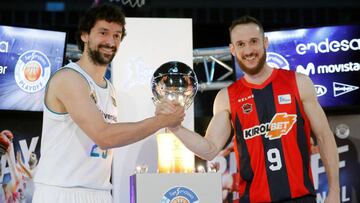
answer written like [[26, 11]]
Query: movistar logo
[[326, 46], [310, 69], [331, 68]]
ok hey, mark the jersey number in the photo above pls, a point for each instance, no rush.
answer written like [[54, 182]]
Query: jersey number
[[97, 152], [273, 156]]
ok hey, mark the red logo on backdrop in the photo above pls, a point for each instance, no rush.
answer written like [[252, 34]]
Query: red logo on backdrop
[[247, 108]]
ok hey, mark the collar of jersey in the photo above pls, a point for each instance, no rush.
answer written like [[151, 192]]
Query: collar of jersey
[[262, 85]]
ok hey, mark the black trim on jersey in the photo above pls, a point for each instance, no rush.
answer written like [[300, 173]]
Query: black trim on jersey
[[246, 172], [303, 147], [277, 179], [246, 197]]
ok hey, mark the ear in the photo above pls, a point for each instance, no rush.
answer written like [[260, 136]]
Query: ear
[[84, 37], [266, 42], [232, 49]]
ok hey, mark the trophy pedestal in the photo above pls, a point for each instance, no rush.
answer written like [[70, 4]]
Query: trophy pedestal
[[183, 187]]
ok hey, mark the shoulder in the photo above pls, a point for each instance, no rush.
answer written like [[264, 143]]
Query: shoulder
[[303, 80], [305, 86], [221, 102], [67, 80], [67, 76], [222, 93]]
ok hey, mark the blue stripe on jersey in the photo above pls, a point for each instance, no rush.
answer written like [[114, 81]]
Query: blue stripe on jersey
[[273, 152]]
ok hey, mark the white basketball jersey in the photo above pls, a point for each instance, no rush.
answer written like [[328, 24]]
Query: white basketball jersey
[[69, 158]]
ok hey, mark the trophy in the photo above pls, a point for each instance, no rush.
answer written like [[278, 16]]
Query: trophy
[[174, 81]]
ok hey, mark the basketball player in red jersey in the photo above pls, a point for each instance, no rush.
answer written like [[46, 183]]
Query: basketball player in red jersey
[[272, 112]]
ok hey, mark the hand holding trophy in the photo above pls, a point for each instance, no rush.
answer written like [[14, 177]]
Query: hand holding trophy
[[176, 82]]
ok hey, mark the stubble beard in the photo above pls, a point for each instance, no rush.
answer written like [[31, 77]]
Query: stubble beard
[[255, 70], [98, 58]]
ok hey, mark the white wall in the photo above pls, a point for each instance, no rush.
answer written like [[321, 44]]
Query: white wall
[[149, 43]]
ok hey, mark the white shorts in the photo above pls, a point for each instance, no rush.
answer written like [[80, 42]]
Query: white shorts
[[46, 193]]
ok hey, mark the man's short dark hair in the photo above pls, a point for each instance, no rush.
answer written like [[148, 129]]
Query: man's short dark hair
[[107, 12], [246, 20]]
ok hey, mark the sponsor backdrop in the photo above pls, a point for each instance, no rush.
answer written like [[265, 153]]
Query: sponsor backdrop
[[27, 59], [17, 185], [346, 131], [330, 56]]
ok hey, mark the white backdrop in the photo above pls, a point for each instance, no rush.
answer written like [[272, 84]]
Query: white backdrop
[[149, 43]]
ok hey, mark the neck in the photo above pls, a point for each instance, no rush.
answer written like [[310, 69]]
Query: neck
[[260, 77], [96, 72]]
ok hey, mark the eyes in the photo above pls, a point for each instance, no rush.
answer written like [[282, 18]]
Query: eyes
[[252, 42], [116, 36]]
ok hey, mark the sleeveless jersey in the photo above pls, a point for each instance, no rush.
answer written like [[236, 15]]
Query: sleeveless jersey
[[69, 158], [272, 139]]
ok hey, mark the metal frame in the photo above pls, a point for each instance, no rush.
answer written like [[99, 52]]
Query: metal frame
[[216, 57], [211, 58]]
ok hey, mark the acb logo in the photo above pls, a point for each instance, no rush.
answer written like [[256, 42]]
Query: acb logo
[[32, 71], [180, 195]]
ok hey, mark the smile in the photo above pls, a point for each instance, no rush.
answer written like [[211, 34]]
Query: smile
[[108, 50], [249, 58]]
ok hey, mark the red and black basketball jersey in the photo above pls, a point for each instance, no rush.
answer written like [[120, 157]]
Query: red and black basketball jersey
[[272, 139]]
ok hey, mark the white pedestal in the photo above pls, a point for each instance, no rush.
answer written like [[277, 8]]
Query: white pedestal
[[165, 188]]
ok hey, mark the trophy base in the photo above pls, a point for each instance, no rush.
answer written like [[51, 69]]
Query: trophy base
[[195, 187]]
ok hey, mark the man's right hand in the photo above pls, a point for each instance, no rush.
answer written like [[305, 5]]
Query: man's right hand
[[5, 140], [173, 113]]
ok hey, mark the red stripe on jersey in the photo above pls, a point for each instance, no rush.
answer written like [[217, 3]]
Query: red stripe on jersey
[[233, 104], [289, 142], [241, 100], [259, 189]]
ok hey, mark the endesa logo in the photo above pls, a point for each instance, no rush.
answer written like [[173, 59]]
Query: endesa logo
[[279, 125], [4, 46], [326, 46]]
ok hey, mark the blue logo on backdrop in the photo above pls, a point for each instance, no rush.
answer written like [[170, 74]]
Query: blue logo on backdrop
[[275, 60], [32, 71], [320, 90], [180, 195]]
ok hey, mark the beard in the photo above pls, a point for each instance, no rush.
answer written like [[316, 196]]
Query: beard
[[99, 58], [255, 70]]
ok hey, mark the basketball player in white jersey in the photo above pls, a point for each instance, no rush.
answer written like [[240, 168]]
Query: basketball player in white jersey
[[80, 118]]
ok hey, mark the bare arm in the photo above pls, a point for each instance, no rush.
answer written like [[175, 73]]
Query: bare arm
[[321, 129], [22, 165], [9, 155], [69, 92], [217, 133]]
